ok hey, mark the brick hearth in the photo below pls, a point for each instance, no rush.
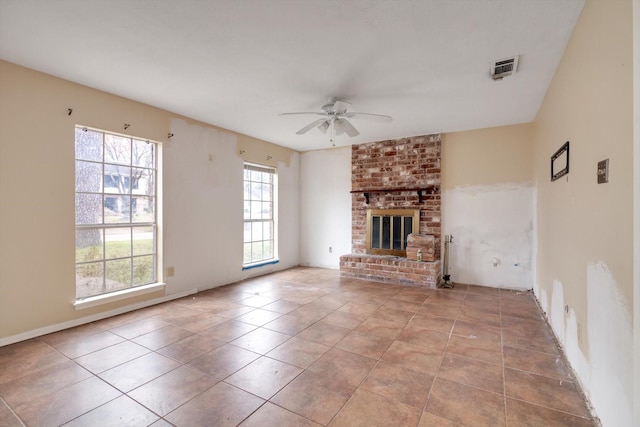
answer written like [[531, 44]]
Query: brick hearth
[[390, 269]]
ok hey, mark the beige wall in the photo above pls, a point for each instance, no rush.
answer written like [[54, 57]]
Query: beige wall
[[488, 156], [37, 275], [585, 229]]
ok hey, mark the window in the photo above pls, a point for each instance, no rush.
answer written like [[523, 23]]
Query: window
[[259, 214], [387, 230], [116, 207]]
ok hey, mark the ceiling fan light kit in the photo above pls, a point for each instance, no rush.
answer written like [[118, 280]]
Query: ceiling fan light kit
[[334, 117]]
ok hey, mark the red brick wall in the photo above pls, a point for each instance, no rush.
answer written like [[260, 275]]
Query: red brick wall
[[401, 163]]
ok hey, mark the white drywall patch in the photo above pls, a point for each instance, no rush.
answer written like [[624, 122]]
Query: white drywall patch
[[557, 312], [492, 226], [611, 348], [544, 301], [579, 362]]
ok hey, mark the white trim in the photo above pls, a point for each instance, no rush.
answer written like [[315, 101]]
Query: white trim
[[92, 318], [101, 299]]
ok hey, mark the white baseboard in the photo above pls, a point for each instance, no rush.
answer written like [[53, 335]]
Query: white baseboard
[[92, 318]]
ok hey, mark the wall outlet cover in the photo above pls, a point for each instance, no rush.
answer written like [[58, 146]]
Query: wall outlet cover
[[603, 171]]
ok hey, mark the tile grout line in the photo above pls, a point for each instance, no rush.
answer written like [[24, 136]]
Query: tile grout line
[[504, 377]]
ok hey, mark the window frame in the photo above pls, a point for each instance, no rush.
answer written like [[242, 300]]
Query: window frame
[[149, 223], [253, 262]]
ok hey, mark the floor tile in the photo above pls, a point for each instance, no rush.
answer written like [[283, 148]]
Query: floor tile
[[270, 415], [139, 327], [189, 348], [528, 415], [162, 337], [436, 309], [344, 319], [261, 340], [263, 377], [121, 411], [381, 327], [399, 384], [431, 420], [221, 405], [26, 357], [229, 330], [258, 317], [298, 352], [281, 306], [42, 382], [420, 359], [7, 417], [304, 396], [392, 314], [473, 372], [487, 350], [111, 357], [341, 370], [433, 323], [56, 339], [368, 345], [80, 346], [465, 404], [434, 341], [549, 365], [360, 308], [138, 371], [256, 301], [545, 391], [66, 404], [173, 389], [289, 324], [223, 361], [324, 333], [366, 409]]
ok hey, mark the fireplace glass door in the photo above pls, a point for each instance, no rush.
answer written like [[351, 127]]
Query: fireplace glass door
[[387, 230]]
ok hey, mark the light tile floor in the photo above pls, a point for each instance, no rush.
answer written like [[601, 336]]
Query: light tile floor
[[302, 347]]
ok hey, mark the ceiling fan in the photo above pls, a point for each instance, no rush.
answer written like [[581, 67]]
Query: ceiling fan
[[334, 116]]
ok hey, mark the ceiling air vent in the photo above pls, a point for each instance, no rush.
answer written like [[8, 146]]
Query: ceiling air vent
[[504, 67]]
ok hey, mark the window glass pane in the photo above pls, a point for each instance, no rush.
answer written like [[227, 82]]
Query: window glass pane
[[247, 191], [256, 210], [397, 233], [267, 249], [117, 242], [375, 232], [117, 179], [247, 232], [88, 208], [386, 232], [247, 174], [118, 274], [142, 182], [256, 176], [256, 251], [247, 210], [143, 153], [117, 209], [266, 191], [89, 244], [88, 177], [142, 209], [143, 240], [256, 191], [89, 279], [88, 145], [267, 177], [266, 210], [117, 149], [256, 231], [144, 270], [267, 231], [247, 253]]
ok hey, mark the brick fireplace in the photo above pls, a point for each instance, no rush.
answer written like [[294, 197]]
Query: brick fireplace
[[395, 174]]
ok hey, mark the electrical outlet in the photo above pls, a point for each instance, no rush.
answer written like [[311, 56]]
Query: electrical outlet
[[603, 171], [171, 271]]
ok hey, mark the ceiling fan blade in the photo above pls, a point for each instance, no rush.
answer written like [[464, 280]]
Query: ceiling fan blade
[[374, 117], [340, 107], [324, 126], [310, 126], [314, 113], [344, 126]]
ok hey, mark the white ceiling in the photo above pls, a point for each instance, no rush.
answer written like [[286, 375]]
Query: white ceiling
[[238, 64]]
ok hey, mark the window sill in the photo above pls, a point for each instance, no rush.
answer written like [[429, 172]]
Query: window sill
[[117, 296], [260, 264]]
